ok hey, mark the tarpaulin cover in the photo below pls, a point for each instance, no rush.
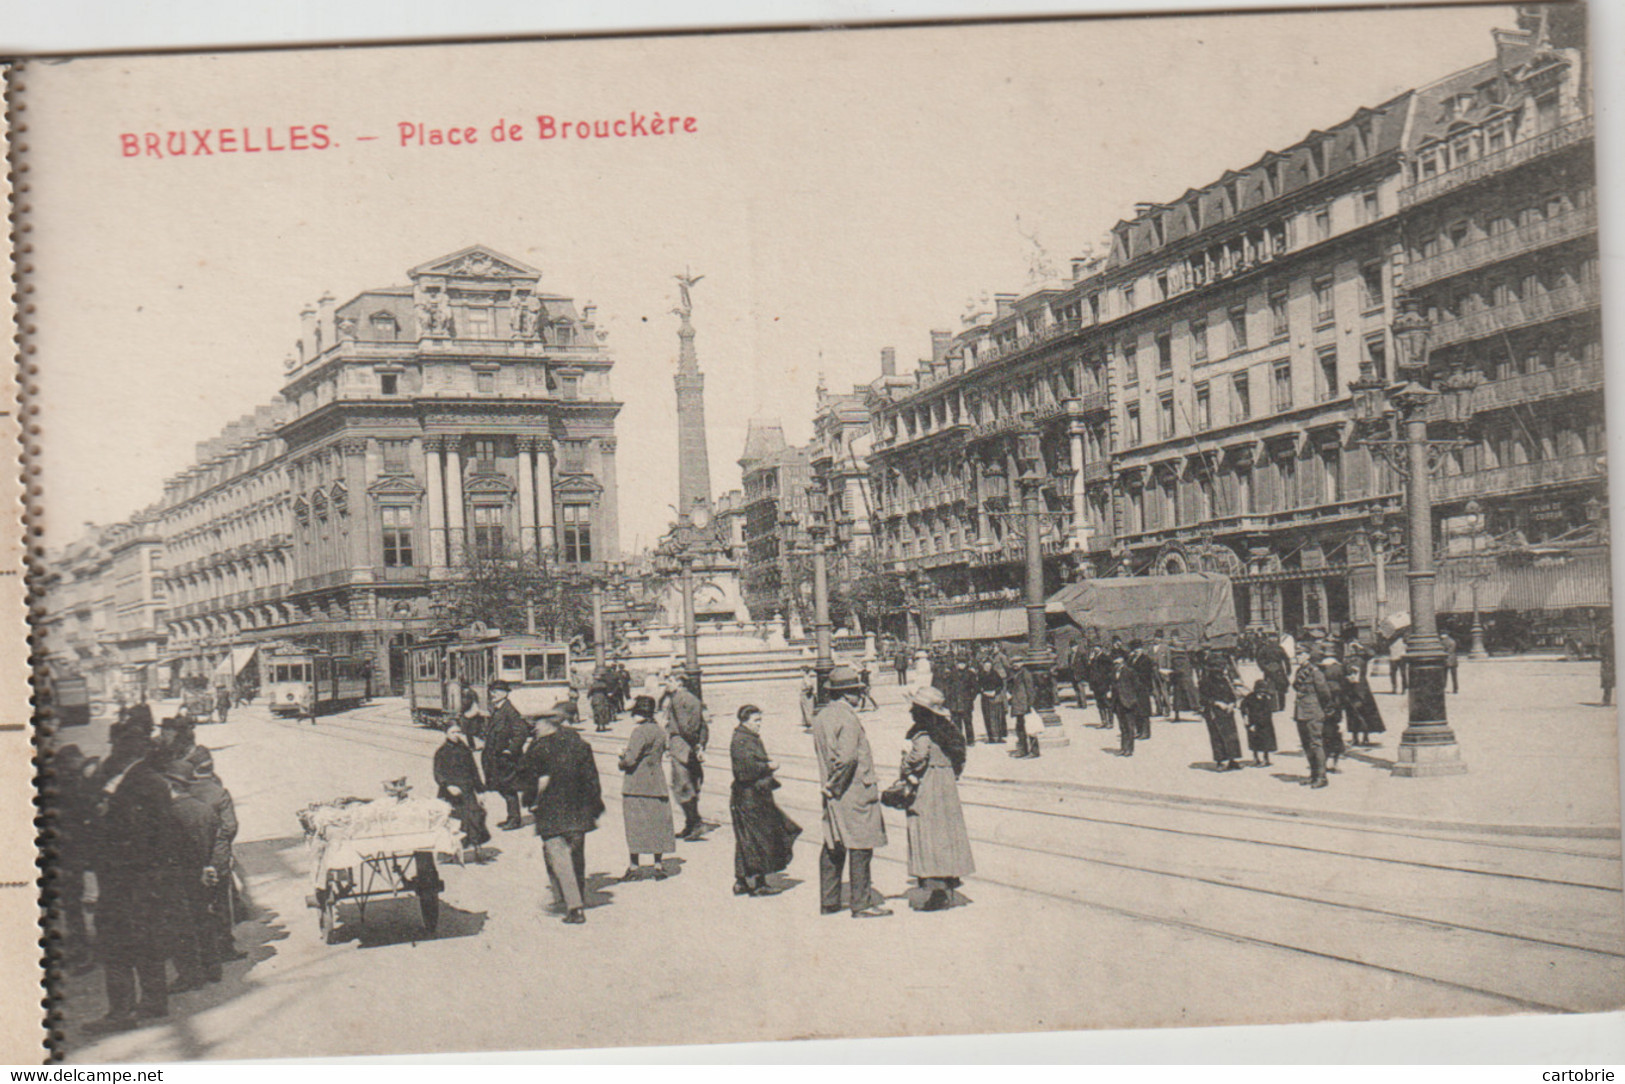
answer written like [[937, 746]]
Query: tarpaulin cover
[[1005, 623], [1191, 607]]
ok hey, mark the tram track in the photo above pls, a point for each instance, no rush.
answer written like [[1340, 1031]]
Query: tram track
[[1407, 926]]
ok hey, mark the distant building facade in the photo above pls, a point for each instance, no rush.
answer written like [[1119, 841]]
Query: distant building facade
[[774, 478], [1191, 387], [464, 416]]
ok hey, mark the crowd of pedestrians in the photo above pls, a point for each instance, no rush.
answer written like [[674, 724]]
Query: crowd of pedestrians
[[153, 826]]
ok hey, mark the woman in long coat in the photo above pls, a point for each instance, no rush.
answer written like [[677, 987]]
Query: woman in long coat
[[938, 843], [1364, 717], [764, 838], [645, 802], [1218, 708]]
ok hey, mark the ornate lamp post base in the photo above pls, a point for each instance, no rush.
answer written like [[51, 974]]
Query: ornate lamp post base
[[1428, 746], [1425, 761]]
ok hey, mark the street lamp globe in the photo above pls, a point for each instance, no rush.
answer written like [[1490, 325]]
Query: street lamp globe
[[1413, 336]]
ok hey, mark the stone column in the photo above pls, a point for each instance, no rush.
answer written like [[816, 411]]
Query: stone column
[[545, 541], [437, 501], [456, 540], [607, 546], [1080, 498], [363, 534], [527, 496]]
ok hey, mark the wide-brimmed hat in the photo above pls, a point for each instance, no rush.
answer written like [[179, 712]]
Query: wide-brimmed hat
[[644, 707], [843, 677], [930, 698]]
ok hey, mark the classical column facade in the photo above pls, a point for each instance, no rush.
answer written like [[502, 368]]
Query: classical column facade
[[545, 541], [353, 453], [608, 507], [1080, 496], [456, 540], [432, 447], [527, 495]]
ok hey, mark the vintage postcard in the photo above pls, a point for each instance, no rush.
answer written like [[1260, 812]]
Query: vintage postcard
[[929, 530]]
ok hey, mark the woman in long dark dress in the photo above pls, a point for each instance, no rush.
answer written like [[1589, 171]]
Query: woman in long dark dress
[[1218, 695], [457, 779], [1364, 717], [1258, 708], [764, 838]]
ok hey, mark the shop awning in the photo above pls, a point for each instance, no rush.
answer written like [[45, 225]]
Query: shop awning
[[1191, 606], [233, 664], [1005, 623]]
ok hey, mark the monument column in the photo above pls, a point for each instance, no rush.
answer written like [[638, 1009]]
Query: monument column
[[456, 543], [437, 502], [544, 498], [693, 457], [527, 496]]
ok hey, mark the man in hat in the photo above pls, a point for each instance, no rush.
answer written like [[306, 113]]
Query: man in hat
[[1309, 711], [559, 766], [178, 734], [851, 797], [505, 738], [959, 688], [687, 736], [1131, 697]]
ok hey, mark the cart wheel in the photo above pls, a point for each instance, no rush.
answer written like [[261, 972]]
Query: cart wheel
[[427, 884], [329, 919]]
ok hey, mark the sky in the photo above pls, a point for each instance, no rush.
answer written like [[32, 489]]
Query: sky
[[842, 191]]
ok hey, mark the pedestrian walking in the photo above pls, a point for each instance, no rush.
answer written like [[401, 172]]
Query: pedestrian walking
[[852, 821], [764, 838], [1218, 709], [457, 783], [959, 687], [1308, 711], [1021, 702], [687, 734], [902, 661], [1140, 659], [598, 699], [1182, 679], [505, 737], [222, 703], [645, 802], [939, 854], [1102, 678], [219, 875], [1397, 664], [194, 940], [1258, 708], [808, 697], [867, 702], [1276, 666], [1336, 701], [1077, 672], [1364, 718], [1162, 687], [559, 768], [1131, 700], [1452, 660], [1605, 649], [991, 683]]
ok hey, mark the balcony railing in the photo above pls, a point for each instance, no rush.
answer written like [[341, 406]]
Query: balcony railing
[[1532, 310], [1516, 155], [1099, 470], [1530, 238], [1533, 387], [1522, 476]]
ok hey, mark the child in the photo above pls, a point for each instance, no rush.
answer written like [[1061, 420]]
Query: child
[[1259, 708]]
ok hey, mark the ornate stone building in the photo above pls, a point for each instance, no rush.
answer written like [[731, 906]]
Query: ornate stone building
[[775, 476], [463, 416], [1191, 388]]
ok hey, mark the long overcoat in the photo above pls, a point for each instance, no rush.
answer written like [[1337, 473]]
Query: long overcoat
[[764, 838], [1313, 694], [846, 774], [641, 761], [687, 735], [938, 842], [505, 739], [1364, 717]]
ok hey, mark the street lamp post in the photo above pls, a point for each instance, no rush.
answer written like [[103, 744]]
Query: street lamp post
[[1040, 661], [598, 624], [817, 533], [1428, 745]]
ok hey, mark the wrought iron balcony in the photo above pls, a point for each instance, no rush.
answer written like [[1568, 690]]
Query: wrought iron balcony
[[1522, 476], [1534, 387], [1530, 238], [1499, 162], [1516, 314]]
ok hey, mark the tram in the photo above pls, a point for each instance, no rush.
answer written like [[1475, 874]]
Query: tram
[[537, 669], [313, 682]]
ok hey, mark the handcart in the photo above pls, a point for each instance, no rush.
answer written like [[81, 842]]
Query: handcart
[[379, 868], [366, 851]]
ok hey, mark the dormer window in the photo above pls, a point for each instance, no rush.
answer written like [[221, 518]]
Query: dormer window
[[383, 326]]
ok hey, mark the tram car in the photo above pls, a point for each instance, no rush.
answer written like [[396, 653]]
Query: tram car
[[537, 669], [305, 683]]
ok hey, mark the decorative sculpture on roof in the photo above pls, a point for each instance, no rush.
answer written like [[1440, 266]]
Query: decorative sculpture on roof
[[527, 316], [434, 315]]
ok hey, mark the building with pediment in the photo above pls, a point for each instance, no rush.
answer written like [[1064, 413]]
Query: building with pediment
[[466, 414]]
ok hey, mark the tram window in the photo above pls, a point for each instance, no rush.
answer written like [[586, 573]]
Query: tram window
[[558, 668], [535, 667], [512, 664]]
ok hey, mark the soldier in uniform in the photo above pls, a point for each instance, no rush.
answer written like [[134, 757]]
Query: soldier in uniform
[[687, 736], [852, 820], [505, 738]]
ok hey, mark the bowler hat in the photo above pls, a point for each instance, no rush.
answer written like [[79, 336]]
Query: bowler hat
[[930, 698], [643, 707], [843, 677]]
